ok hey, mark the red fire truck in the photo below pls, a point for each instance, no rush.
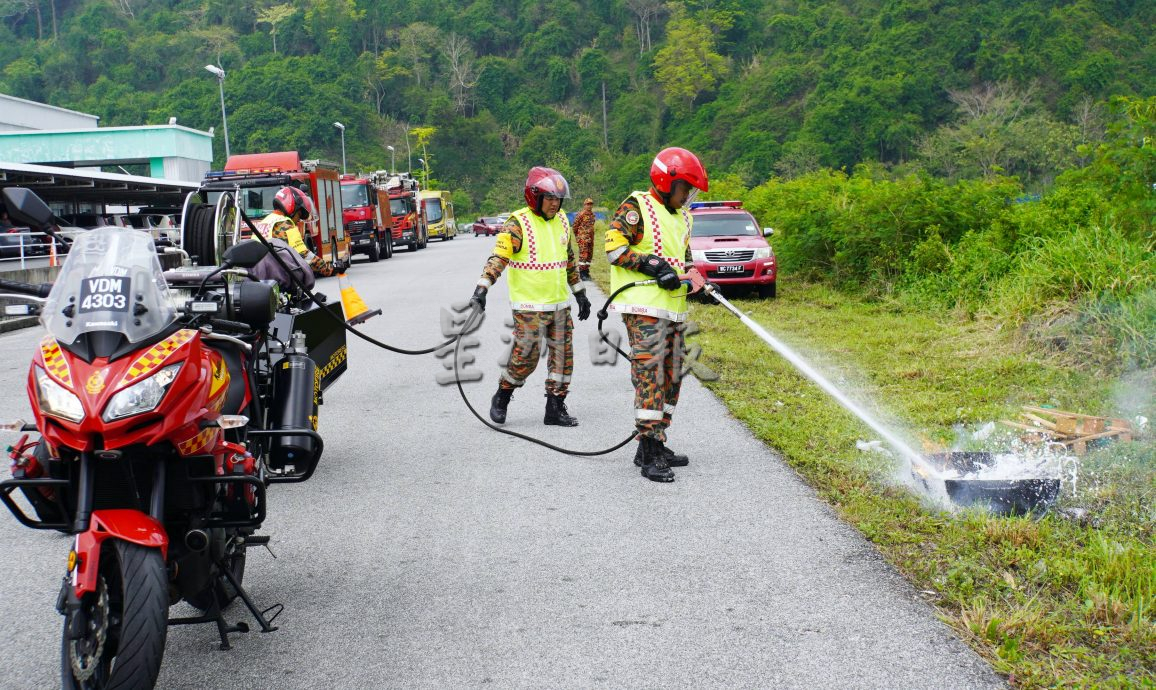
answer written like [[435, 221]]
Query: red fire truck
[[256, 178], [409, 226], [368, 221]]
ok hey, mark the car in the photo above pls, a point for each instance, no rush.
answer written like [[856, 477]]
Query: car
[[85, 220], [728, 248], [489, 225]]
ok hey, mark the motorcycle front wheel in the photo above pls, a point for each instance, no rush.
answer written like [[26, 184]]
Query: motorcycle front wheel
[[123, 639]]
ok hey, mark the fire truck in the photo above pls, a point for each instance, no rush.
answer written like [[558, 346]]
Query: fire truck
[[409, 225], [253, 179], [368, 221]]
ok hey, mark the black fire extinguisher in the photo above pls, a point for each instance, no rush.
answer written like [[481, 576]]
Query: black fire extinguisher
[[295, 385]]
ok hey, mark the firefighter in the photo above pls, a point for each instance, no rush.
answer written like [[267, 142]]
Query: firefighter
[[584, 233], [291, 208], [535, 245], [649, 238]]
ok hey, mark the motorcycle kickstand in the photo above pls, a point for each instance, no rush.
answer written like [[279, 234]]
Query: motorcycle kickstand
[[215, 615], [266, 623]]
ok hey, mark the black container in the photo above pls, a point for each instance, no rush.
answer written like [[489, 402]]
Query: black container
[[1000, 496], [295, 384]]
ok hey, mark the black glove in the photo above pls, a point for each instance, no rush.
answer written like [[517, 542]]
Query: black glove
[[656, 267], [583, 305], [479, 297]]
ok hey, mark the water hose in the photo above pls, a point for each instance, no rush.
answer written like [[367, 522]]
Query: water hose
[[525, 437], [456, 341]]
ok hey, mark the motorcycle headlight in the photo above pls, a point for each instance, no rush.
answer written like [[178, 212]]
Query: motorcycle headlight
[[698, 255], [763, 253], [141, 397], [58, 401]]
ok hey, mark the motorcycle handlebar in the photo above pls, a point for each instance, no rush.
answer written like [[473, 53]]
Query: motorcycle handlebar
[[34, 289], [235, 326]]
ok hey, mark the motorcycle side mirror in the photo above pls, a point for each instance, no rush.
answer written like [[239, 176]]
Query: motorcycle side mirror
[[245, 254], [24, 206]]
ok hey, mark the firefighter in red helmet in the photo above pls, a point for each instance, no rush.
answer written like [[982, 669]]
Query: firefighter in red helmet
[[649, 239], [291, 206], [535, 246]]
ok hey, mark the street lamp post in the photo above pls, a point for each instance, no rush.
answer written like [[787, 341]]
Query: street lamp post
[[392, 167], [220, 74], [341, 127], [424, 172]]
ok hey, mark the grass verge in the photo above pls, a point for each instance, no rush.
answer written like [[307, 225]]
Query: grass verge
[[1063, 600]]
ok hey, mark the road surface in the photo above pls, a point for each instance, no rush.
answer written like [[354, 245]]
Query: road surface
[[430, 552]]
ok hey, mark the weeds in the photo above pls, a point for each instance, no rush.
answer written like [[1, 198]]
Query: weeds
[[1062, 600]]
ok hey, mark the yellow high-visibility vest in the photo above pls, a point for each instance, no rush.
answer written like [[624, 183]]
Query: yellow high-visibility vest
[[537, 272], [664, 234], [292, 233]]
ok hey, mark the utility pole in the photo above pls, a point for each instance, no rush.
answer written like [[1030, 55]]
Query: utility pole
[[605, 143]]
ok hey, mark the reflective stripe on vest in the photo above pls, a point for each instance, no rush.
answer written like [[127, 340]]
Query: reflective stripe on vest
[[667, 235], [537, 272]]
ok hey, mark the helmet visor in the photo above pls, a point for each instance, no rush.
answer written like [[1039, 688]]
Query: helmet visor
[[554, 185]]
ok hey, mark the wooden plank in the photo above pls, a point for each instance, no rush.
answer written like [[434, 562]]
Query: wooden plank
[[1093, 437], [1057, 413], [1041, 421], [1066, 425], [1026, 427]]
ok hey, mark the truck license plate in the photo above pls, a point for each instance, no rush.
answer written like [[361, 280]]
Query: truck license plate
[[730, 268]]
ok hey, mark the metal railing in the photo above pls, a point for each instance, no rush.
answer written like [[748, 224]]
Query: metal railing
[[25, 245]]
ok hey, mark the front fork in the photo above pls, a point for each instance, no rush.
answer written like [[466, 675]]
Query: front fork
[[84, 558]]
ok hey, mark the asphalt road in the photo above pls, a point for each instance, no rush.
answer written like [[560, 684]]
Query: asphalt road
[[428, 551]]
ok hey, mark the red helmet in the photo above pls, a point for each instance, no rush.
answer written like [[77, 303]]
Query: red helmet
[[677, 164], [290, 200], [542, 181]]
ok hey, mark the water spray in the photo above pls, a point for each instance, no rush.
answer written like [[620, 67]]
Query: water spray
[[918, 462]]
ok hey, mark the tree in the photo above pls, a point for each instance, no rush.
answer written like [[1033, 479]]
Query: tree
[[273, 16], [646, 11], [381, 73], [688, 64], [463, 73], [417, 44], [1001, 131]]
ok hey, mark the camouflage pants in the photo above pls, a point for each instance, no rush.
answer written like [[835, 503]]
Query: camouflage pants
[[585, 238], [656, 346], [531, 328]]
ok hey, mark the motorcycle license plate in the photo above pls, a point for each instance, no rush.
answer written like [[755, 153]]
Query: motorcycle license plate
[[104, 293], [731, 268]]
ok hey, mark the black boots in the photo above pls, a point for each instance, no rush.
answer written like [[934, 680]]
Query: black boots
[[654, 463], [499, 403], [673, 459], [556, 413], [584, 275]]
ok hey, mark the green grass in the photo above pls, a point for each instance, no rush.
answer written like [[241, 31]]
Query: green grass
[[1065, 600]]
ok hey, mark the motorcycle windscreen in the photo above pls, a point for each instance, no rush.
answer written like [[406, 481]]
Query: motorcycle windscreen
[[111, 281]]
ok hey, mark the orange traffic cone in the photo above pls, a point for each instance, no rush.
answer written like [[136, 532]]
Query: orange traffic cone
[[351, 303], [52, 260]]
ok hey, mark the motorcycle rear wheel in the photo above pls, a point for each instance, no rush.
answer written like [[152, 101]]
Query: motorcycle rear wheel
[[130, 611]]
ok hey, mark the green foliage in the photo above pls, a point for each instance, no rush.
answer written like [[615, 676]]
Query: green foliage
[[688, 65]]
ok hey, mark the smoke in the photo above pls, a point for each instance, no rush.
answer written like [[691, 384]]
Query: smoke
[[1134, 398]]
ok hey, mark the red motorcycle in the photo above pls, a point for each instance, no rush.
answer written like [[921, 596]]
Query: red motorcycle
[[165, 407]]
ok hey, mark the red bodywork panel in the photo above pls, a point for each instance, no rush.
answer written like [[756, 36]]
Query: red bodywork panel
[[197, 394], [130, 525]]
